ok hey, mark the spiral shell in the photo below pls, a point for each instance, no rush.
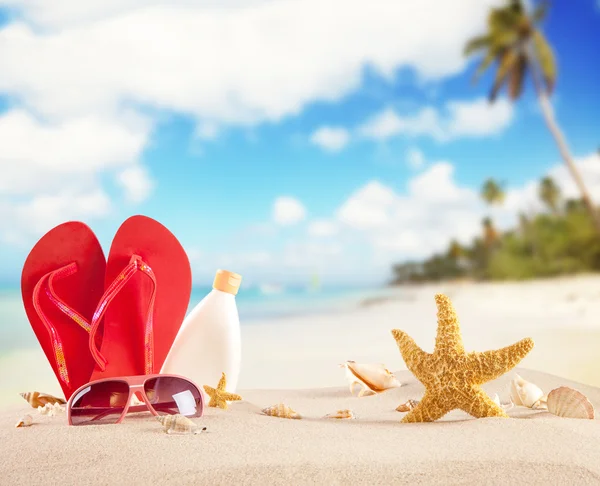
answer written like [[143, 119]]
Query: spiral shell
[[569, 403], [341, 414], [37, 399], [282, 411], [179, 424], [371, 377], [407, 406], [24, 421], [526, 394]]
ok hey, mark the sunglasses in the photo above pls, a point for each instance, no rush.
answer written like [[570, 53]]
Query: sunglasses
[[107, 401]]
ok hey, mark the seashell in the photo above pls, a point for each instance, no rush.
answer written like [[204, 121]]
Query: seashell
[[51, 409], [37, 399], [25, 421], [504, 406], [282, 411], [371, 377], [341, 414], [179, 424], [407, 406], [569, 403], [526, 394]]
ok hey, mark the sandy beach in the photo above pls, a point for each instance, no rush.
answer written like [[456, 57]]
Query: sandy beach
[[295, 361], [242, 446]]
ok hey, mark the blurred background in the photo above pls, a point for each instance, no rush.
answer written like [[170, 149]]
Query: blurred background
[[324, 149]]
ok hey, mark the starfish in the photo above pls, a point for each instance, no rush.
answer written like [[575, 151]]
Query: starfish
[[218, 396], [452, 377]]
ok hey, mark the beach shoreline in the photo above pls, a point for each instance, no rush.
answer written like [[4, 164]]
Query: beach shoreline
[[304, 351]]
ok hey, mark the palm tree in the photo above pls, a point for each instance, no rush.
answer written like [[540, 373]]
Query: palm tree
[[514, 40], [455, 250], [490, 235], [549, 193], [492, 192]]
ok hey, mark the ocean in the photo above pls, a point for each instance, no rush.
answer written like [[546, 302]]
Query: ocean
[[254, 304]]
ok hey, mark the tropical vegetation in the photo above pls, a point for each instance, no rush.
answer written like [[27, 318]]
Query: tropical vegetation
[[516, 43], [560, 240]]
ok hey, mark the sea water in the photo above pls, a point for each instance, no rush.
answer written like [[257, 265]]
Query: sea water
[[254, 304]]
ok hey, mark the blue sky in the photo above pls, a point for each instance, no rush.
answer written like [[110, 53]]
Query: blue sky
[[335, 155]]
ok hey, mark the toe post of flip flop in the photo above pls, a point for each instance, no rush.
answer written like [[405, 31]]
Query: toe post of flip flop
[[96, 318]]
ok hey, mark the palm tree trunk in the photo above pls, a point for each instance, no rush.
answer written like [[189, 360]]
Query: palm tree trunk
[[559, 138]]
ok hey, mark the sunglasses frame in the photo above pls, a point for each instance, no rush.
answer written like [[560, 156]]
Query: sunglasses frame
[[136, 384]]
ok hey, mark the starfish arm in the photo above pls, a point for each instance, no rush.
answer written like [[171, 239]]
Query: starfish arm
[[489, 365], [429, 409], [481, 405], [415, 358], [448, 338], [209, 390], [230, 396], [222, 382]]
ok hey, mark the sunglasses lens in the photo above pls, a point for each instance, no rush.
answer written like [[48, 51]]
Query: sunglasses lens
[[100, 403], [169, 395]]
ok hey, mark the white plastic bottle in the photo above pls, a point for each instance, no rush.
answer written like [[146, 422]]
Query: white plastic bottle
[[209, 341]]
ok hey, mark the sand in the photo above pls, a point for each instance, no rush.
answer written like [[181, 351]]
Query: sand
[[242, 446], [294, 359]]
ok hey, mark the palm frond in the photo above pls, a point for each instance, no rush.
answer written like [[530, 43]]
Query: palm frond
[[484, 64], [501, 19], [545, 59], [517, 76], [507, 63], [540, 12], [476, 44]]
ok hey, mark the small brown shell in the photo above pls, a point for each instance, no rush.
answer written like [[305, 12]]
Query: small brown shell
[[179, 424], [569, 403], [408, 406], [24, 421], [37, 399], [282, 411], [341, 414]]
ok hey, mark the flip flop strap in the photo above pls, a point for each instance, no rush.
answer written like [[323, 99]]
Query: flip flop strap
[[72, 314], [135, 264]]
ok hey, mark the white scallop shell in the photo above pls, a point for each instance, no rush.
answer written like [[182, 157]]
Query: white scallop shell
[[569, 403], [526, 394], [371, 377]]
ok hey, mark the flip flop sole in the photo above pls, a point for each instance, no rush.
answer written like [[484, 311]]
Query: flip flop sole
[[126, 315], [66, 244]]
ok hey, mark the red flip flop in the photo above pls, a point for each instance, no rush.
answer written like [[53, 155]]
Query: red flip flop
[[147, 291], [61, 283]]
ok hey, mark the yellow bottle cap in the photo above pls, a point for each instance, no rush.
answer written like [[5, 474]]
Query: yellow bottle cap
[[227, 282]]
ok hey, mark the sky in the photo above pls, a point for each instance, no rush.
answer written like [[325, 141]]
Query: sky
[[277, 138]]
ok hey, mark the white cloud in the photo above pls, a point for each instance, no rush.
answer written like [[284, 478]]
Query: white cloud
[[363, 210], [415, 158], [435, 208], [322, 228], [51, 170], [207, 131], [288, 211], [136, 183], [332, 139], [211, 62], [476, 118]]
